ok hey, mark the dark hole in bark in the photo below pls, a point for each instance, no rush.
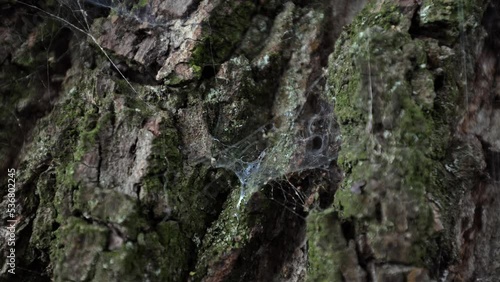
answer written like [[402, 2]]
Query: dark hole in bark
[[414, 26], [141, 35], [55, 226], [378, 212], [492, 24], [207, 72], [91, 125], [496, 101], [62, 56], [493, 164], [438, 82], [478, 212], [77, 213], [317, 143], [464, 223], [133, 148], [137, 190], [348, 230]]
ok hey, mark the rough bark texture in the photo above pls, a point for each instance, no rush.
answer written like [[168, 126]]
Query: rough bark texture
[[223, 140]]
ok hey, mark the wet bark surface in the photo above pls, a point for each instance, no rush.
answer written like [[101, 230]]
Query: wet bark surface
[[251, 140]]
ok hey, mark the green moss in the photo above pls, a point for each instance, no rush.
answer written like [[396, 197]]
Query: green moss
[[325, 246], [110, 206], [178, 248], [46, 214], [25, 60], [123, 87], [90, 128], [142, 3], [78, 243], [350, 204], [394, 130], [64, 148], [129, 216], [227, 234], [174, 80], [387, 15], [66, 183], [124, 264], [164, 163], [148, 260]]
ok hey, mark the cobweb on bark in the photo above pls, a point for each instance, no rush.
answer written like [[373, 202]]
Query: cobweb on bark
[[302, 139]]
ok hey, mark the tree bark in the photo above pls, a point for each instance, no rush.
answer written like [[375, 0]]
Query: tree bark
[[268, 140]]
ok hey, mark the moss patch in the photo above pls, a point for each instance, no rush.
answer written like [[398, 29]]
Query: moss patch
[[394, 134], [227, 234]]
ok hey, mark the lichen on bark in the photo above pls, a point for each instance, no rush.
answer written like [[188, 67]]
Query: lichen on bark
[[397, 107]]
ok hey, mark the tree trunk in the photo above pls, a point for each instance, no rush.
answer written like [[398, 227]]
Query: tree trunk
[[268, 140]]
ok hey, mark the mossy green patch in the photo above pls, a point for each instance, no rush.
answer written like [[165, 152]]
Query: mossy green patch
[[325, 247], [110, 206], [45, 219], [177, 246], [394, 132], [227, 234], [78, 243], [142, 3], [147, 260], [164, 164]]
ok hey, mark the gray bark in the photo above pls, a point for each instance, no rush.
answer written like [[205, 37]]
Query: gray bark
[[251, 140]]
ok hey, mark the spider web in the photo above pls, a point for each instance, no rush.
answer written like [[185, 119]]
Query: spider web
[[304, 139]]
